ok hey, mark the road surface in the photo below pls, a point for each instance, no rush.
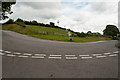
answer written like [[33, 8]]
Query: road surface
[[28, 57]]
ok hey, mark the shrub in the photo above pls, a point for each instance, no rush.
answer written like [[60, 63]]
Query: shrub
[[21, 24]]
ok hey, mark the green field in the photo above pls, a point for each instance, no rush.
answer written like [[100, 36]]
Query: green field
[[49, 33]]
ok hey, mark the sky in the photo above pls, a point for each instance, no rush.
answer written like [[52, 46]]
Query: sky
[[77, 15]]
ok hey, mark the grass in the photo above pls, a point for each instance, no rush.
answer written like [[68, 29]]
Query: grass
[[49, 33]]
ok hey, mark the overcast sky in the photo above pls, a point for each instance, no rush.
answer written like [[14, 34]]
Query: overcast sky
[[78, 15]]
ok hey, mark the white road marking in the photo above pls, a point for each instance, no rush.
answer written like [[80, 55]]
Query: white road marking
[[83, 55], [16, 53], [116, 52], [71, 58], [106, 53], [7, 51], [37, 57], [2, 53], [96, 54], [55, 57], [86, 57], [10, 55], [113, 55], [23, 56], [100, 56], [70, 55], [1, 50], [40, 54], [26, 54]]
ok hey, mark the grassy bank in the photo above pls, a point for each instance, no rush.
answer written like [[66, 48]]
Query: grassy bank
[[49, 33]]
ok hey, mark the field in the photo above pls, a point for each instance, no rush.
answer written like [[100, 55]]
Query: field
[[49, 33]]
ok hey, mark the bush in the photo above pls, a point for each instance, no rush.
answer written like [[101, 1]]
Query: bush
[[10, 21], [21, 24]]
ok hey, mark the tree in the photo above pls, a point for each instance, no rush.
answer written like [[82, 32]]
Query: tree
[[6, 9], [52, 24], [19, 20], [89, 32], [10, 21], [111, 30], [34, 22]]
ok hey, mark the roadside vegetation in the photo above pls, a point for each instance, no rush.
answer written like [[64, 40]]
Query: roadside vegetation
[[51, 32]]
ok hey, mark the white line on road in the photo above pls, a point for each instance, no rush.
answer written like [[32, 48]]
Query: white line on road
[[16, 53], [116, 52], [2, 53], [113, 55], [70, 55], [7, 51], [23, 56], [1, 50], [26, 54], [40, 54], [106, 53], [83, 55], [100, 56], [96, 54], [37, 57], [55, 57], [86, 57], [71, 58], [10, 55]]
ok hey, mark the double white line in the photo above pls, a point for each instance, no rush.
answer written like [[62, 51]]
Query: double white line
[[55, 56], [71, 56]]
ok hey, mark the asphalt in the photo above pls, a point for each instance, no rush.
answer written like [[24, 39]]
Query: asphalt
[[19, 67]]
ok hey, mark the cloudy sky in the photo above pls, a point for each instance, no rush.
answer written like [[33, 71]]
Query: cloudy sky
[[78, 15]]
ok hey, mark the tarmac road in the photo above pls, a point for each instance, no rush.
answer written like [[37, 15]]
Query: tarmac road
[[28, 57]]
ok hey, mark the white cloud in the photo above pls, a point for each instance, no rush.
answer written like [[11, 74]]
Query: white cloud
[[94, 17], [78, 15], [39, 11]]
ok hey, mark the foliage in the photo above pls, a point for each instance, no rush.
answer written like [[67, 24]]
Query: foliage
[[6, 9], [52, 24], [19, 20], [111, 30], [10, 21], [21, 24]]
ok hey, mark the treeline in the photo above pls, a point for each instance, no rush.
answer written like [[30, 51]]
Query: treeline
[[24, 22]]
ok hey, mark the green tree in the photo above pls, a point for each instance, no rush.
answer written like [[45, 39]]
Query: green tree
[[111, 30], [52, 24], [6, 9], [34, 22], [89, 32], [19, 20], [10, 21]]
